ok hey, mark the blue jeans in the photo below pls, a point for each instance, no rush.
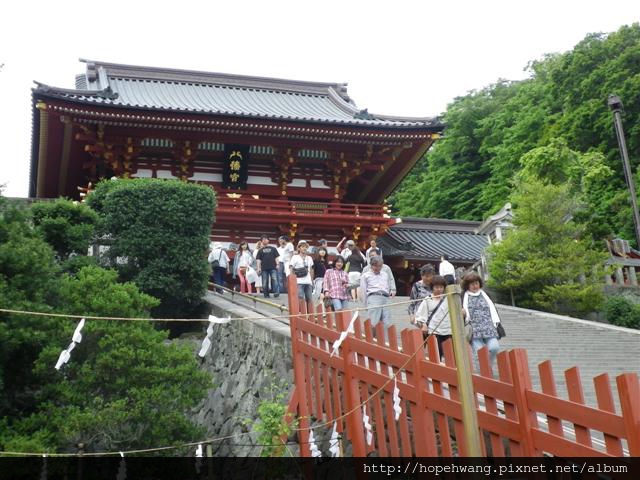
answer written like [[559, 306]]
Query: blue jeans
[[218, 277], [282, 278], [304, 291], [492, 344], [274, 286], [338, 304]]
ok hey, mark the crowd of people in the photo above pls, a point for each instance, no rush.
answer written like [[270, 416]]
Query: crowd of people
[[354, 279]]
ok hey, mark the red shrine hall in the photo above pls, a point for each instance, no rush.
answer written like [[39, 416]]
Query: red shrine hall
[[284, 157]]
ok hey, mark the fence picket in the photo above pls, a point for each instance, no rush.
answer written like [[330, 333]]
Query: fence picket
[[497, 449], [576, 394], [605, 402], [336, 388], [458, 427], [629, 392], [441, 419], [505, 374]]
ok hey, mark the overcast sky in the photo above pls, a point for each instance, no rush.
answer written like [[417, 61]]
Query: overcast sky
[[407, 58]]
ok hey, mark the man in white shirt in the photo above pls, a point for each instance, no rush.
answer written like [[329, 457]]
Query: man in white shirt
[[219, 261], [373, 250], [447, 270], [376, 291], [385, 268]]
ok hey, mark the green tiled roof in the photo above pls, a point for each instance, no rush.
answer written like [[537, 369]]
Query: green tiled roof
[[234, 95]]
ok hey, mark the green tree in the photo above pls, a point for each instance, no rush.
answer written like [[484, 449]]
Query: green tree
[[125, 385], [65, 225], [160, 231], [543, 261]]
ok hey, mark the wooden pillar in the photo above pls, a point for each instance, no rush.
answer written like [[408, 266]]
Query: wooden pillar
[[633, 278], [463, 371], [619, 276], [298, 370]]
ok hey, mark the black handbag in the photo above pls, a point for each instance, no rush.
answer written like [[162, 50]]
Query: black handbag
[[300, 272], [501, 331]]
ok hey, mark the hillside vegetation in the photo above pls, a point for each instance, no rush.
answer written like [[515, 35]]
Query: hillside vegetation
[[473, 170]]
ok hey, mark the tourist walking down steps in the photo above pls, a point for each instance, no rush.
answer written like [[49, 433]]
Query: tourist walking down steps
[[219, 261], [481, 312], [267, 259], [242, 263], [375, 290]]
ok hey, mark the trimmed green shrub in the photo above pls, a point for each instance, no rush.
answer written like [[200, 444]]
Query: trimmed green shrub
[[622, 312], [158, 232]]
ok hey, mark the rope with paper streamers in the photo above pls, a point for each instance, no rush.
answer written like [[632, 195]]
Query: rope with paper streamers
[[335, 436], [188, 320]]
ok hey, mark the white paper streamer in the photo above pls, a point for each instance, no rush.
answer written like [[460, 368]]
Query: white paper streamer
[[343, 335], [62, 359], [77, 335], [43, 472], [65, 355], [396, 399], [315, 452], [334, 443], [122, 468], [206, 343], [214, 319], [198, 458], [367, 425]]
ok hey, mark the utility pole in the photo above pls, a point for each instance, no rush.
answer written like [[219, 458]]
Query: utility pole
[[615, 104]]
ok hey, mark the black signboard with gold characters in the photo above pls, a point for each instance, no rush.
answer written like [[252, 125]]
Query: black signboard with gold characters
[[236, 163]]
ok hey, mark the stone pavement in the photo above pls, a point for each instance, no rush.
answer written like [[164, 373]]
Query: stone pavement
[[593, 347]]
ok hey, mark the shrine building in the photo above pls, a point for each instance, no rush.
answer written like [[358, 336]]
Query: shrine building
[[284, 157]]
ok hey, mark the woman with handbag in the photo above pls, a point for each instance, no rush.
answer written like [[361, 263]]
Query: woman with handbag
[[334, 285], [481, 314], [301, 266], [432, 316], [242, 262]]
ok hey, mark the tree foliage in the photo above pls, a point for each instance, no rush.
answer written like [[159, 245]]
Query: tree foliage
[[469, 173], [544, 261], [619, 310], [125, 386], [160, 231], [65, 225]]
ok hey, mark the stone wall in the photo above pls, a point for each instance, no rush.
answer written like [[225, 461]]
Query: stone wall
[[247, 358]]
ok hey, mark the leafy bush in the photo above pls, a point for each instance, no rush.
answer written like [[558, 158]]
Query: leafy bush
[[65, 225], [273, 420], [622, 312], [159, 231]]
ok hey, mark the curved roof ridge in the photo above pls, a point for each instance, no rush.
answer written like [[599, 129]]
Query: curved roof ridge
[[228, 79], [344, 105], [104, 93]]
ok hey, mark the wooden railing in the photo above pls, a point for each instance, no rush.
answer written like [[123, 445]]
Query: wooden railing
[[514, 419], [292, 208]]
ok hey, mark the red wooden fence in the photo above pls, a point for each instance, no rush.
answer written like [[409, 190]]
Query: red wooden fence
[[514, 419]]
